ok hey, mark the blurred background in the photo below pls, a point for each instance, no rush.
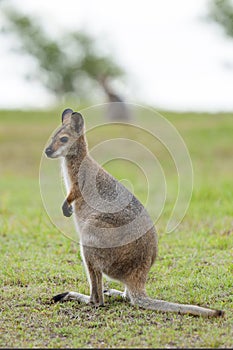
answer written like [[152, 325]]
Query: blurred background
[[171, 55]]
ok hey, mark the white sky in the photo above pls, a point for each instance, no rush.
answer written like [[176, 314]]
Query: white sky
[[174, 58]]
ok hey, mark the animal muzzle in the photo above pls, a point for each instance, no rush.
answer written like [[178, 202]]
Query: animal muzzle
[[48, 152]]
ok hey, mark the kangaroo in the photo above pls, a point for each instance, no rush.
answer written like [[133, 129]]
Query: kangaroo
[[119, 239]]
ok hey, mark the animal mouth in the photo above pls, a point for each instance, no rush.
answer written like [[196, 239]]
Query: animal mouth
[[50, 153]]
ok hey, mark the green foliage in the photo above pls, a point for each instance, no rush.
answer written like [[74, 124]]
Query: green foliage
[[221, 11], [66, 65], [194, 263]]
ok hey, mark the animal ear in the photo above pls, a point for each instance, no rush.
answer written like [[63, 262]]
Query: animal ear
[[77, 122], [66, 114]]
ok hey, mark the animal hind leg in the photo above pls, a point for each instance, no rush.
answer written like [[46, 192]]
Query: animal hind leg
[[136, 282], [96, 286]]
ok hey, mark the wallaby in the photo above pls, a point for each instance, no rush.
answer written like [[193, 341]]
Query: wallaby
[[109, 245]]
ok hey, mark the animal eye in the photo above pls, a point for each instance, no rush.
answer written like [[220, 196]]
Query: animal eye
[[64, 139]]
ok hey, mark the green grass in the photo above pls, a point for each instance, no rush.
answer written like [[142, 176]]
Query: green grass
[[195, 263]]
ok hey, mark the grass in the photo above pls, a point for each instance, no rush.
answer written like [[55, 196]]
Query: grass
[[195, 263]]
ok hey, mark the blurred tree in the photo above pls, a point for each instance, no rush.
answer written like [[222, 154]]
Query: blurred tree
[[221, 11], [69, 65], [115, 111]]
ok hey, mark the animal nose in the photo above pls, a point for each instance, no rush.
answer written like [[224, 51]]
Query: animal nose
[[48, 151]]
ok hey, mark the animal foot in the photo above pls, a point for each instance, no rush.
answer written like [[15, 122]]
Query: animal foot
[[60, 297]]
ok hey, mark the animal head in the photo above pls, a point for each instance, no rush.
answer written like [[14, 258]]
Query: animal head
[[68, 133]]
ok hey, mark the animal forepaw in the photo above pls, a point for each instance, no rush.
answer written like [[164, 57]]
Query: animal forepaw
[[67, 209]]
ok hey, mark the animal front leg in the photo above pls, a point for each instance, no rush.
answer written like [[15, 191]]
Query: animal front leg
[[67, 296], [67, 205]]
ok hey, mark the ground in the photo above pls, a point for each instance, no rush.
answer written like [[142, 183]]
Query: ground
[[195, 262]]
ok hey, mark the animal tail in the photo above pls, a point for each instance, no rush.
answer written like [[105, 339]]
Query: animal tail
[[164, 306]]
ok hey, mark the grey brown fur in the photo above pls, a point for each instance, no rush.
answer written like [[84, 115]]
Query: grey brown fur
[[122, 255]]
